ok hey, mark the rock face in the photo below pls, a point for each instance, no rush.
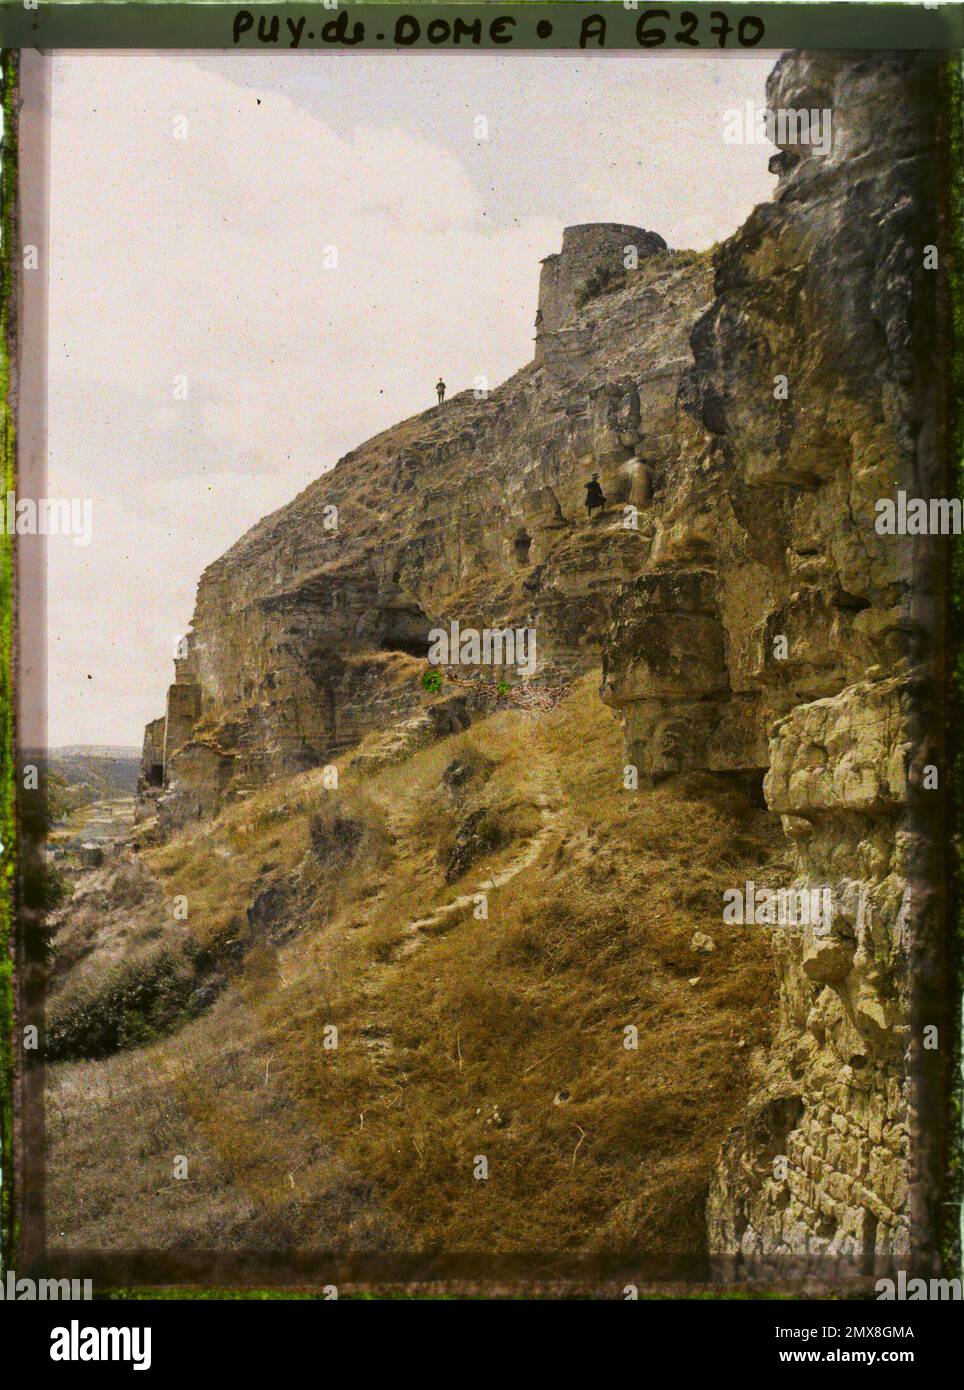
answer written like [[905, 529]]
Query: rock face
[[748, 617], [313, 629], [774, 525]]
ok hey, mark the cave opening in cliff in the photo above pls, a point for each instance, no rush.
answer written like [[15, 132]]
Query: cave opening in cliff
[[155, 775], [406, 629], [749, 782], [522, 546]]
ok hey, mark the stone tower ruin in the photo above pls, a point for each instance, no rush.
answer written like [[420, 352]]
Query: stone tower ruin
[[591, 249]]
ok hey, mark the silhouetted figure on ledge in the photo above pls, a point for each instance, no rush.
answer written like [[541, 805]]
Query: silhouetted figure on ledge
[[594, 495], [440, 388]]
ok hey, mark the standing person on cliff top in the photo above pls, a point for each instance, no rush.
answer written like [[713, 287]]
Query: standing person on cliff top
[[594, 495], [440, 388]]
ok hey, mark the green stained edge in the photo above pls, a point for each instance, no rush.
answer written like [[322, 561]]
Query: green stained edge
[[9, 66], [952, 1234]]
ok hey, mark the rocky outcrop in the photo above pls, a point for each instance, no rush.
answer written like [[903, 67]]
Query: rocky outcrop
[[748, 616], [813, 395], [314, 628]]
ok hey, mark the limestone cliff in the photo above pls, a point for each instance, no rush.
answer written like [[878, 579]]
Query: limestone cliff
[[773, 532], [744, 419], [304, 632]]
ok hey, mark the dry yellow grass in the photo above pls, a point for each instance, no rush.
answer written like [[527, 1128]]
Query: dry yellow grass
[[498, 1037]]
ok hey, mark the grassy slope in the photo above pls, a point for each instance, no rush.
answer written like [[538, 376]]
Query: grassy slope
[[499, 1037]]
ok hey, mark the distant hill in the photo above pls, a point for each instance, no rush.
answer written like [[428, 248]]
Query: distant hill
[[114, 751], [95, 771]]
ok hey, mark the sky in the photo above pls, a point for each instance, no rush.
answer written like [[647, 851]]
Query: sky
[[257, 262]]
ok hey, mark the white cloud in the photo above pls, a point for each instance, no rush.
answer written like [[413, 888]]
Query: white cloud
[[202, 258]]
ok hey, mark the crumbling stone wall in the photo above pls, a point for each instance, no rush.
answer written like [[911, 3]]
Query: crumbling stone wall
[[593, 249], [152, 755], [183, 709]]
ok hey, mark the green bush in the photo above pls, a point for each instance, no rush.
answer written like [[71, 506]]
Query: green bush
[[130, 1004], [602, 281]]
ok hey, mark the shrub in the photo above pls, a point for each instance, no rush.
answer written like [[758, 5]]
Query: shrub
[[602, 281], [129, 1004]]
